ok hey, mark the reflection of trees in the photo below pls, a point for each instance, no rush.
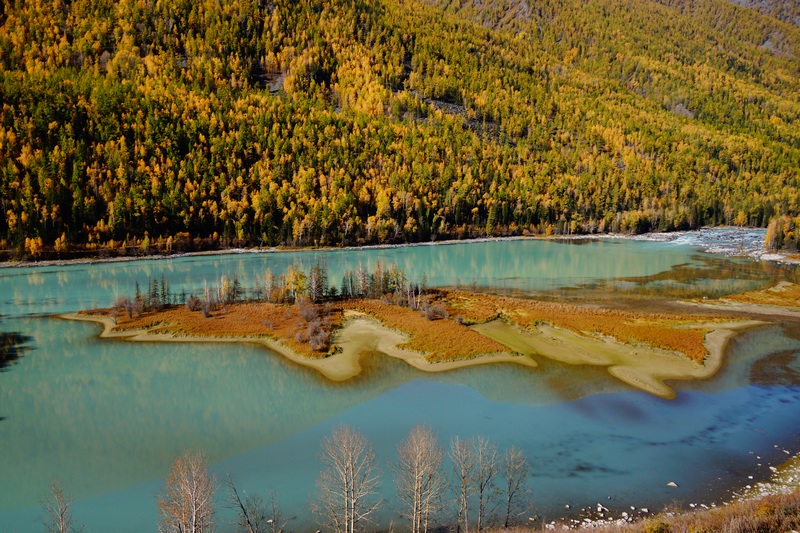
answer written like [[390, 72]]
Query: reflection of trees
[[12, 348], [706, 276]]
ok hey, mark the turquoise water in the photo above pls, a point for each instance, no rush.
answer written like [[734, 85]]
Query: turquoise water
[[107, 417]]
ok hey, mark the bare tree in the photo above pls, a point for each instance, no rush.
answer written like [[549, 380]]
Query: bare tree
[[315, 283], [486, 468], [362, 279], [253, 514], [515, 474], [186, 503], [420, 483], [58, 506], [275, 518], [349, 482], [463, 466]]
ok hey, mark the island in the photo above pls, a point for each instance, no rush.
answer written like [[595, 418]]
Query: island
[[436, 330]]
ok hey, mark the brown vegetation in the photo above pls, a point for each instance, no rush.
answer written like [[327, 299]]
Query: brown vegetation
[[438, 329], [769, 513], [783, 295], [667, 331], [277, 321], [441, 339]]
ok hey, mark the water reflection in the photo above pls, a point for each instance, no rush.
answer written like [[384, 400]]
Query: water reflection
[[705, 276], [782, 368], [13, 345], [514, 266]]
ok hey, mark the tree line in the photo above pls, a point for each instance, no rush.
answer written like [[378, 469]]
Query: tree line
[[471, 486], [309, 291], [294, 286], [132, 128]]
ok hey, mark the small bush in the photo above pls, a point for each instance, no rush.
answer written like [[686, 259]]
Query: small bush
[[193, 303], [656, 526], [317, 336], [308, 311], [434, 311], [123, 304], [137, 306]]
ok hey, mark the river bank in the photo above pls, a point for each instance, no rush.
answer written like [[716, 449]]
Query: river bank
[[729, 241]]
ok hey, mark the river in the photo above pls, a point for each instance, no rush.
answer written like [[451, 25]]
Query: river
[[107, 417]]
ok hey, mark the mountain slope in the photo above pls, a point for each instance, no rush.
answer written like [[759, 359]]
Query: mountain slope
[[384, 121], [785, 10]]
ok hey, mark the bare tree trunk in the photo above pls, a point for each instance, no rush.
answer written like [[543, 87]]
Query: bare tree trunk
[[420, 484], [275, 521], [349, 482], [186, 503], [243, 510], [463, 465], [57, 505], [486, 462], [515, 473], [254, 515]]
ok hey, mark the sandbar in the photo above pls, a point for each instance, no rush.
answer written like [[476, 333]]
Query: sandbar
[[642, 366]]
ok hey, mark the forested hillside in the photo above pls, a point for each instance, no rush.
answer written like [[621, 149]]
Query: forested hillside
[[141, 122], [785, 10]]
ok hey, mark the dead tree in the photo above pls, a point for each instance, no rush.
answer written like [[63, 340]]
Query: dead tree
[[420, 483], [486, 468], [253, 514], [57, 505], [463, 466], [515, 469], [348, 485], [186, 503]]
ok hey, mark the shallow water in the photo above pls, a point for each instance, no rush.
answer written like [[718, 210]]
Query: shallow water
[[108, 416]]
